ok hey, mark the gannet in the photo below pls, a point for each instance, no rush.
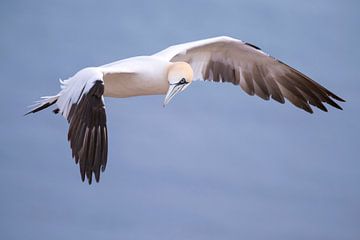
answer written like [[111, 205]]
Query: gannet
[[169, 72]]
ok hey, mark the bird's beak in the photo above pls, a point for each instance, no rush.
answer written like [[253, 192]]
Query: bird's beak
[[173, 90]]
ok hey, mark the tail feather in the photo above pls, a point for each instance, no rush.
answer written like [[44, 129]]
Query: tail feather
[[45, 102]]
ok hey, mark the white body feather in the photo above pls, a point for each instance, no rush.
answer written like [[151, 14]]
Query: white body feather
[[220, 59]]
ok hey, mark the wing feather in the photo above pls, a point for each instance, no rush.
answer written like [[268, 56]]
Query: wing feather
[[87, 132], [81, 102], [225, 59]]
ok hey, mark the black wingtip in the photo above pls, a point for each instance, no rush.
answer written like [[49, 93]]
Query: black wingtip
[[82, 177], [339, 107], [97, 177], [335, 97], [89, 180], [334, 104], [338, 98], [308, 109], [323, 108]]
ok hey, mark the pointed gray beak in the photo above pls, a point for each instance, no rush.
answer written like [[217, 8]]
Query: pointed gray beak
[[173, 90]]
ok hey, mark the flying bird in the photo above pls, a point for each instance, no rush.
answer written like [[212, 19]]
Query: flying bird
[[169, 72]]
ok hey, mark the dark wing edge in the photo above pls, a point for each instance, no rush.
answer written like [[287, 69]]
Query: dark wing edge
[[88, 132], [268, 77], [314, 93]]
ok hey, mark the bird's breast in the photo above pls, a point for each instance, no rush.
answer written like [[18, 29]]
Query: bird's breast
[[146, 78]]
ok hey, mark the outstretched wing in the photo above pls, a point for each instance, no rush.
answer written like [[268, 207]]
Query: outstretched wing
[[81, 102], [225, 59]]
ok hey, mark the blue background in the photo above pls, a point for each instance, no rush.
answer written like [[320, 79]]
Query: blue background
[[243, 168]]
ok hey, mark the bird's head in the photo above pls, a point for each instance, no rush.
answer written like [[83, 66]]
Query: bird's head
[[180, 76]]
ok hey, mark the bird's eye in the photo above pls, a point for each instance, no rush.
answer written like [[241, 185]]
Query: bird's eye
[[182, 81]]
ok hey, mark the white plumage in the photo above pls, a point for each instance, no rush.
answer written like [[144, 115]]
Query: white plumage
[[220, 59]]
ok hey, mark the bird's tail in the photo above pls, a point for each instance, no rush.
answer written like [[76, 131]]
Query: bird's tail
[[43, 103]]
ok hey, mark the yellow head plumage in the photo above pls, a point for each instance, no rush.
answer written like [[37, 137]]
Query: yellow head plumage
[[179, 70], [180, 76]]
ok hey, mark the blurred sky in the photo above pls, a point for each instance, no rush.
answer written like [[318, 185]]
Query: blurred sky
[[244, 168]]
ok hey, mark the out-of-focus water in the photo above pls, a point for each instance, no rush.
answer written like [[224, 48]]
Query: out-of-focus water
[[243, 169]]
